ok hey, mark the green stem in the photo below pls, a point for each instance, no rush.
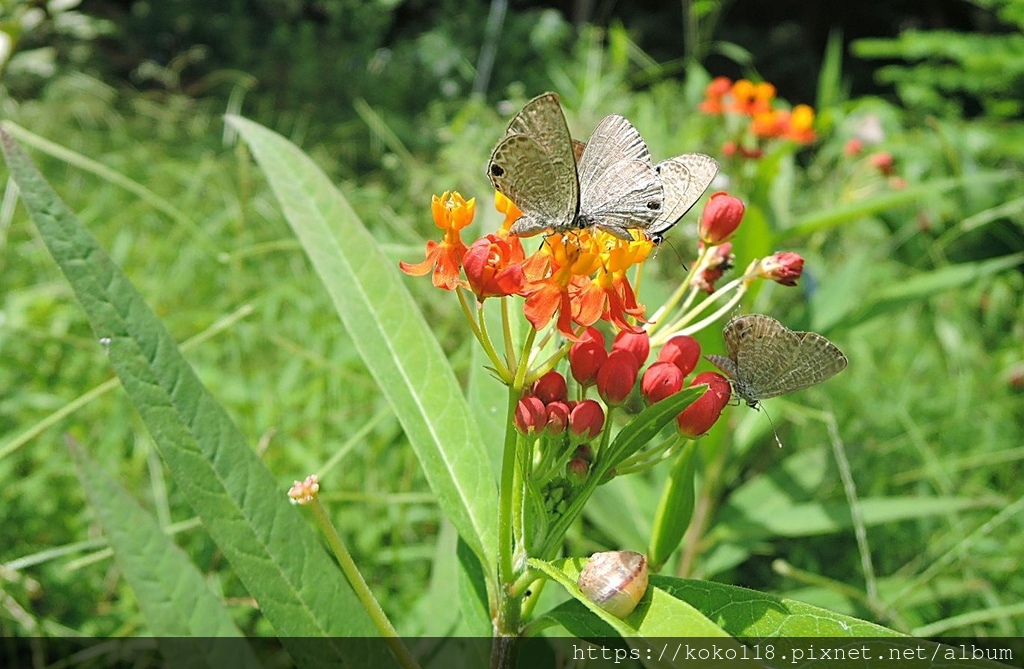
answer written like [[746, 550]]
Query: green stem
[[358, 583], [480, 331], [508, 613]]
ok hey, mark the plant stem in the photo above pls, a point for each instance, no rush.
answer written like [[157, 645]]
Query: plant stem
[[358, 583]]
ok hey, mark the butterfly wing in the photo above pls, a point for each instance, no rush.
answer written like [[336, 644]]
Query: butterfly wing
[[619, 188], [809, 360], [535, 167], [684, 179], [773, 360]]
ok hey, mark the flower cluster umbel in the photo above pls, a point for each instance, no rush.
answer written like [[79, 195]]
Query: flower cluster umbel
[[576, 280], [755, 105]]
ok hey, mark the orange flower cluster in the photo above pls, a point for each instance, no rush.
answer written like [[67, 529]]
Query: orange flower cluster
[[576, 278], [756, 101]]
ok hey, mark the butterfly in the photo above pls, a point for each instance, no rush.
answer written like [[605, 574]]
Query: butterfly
[[766, 359], [615, 186], [683, 180]]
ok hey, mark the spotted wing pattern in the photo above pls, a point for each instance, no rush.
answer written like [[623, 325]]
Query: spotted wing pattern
[[767, 359], [534, 166], [684, 179]]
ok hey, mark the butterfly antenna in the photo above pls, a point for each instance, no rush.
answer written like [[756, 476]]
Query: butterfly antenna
[[772, 423], [672, 246]]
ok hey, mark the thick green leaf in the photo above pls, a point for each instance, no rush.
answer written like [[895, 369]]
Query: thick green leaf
[[748, 613], [658, 616], [172, 594], [648, 423], [272, 549], [388, 329], [675, 509]]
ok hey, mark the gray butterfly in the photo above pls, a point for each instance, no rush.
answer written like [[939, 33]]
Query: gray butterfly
[[615, 186], [767, 359], [683, 179]]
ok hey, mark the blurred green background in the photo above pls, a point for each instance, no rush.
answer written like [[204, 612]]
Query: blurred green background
[[915, 274]]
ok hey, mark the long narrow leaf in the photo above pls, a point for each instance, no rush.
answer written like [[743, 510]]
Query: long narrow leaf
[[394, 340], [171, 591], [272, 549]]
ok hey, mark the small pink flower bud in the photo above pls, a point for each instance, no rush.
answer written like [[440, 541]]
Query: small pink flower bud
[[586, 356], [661, 380], [683, 351], [617, 376], [883, 162], [637, 343], [550, 388], [303, 492], [586, 419], [697, 419], [853, 147], [720, 218], [576, 471], [531, 415], [784, 268], [558, 417]]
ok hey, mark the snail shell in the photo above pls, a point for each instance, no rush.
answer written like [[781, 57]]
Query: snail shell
[[615, 581]]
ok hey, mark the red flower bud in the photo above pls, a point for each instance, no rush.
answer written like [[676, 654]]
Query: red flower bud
[[586, 356], [558, 417], [784, 268], [661, 380], [683, 351], [853, 146], [637, 343], [584, 452], [550, 388], [883, 162], [720, 218], [576, 471], [616, 377], [698, 418], [586, 419], [531, 416]]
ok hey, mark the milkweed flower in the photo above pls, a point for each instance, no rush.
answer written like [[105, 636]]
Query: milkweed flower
[[720, 218], [586, 356], [696, 419], [714, 95], [586, 420], [719, 260], [531, 415], [494, 266], [661, 380], [683, 351], [451, 213], [617, 376], [550, 388], [784, 268]]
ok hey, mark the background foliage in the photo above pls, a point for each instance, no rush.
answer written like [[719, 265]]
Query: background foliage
[[918, 281]]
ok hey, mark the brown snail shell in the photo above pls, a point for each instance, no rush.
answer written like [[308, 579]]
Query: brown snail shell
[[615, 581]]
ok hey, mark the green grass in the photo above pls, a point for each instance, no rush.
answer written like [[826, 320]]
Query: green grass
[[926, 408]]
